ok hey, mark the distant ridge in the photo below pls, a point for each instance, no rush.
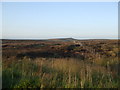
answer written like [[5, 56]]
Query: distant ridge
[[62, 39]]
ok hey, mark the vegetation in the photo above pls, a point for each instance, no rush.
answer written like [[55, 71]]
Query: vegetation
[[56, 64]]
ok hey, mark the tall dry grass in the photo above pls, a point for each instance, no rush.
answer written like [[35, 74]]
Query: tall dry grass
[[57, 73]]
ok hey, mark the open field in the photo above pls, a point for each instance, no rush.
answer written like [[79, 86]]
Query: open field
[[60, 63]]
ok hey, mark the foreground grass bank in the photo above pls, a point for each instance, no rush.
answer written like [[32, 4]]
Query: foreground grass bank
[[57, 73]]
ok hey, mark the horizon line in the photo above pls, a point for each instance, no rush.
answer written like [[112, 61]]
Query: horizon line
[[57, 38]]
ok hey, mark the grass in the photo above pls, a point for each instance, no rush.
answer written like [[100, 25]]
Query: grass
[[57, 73], [60, 64]]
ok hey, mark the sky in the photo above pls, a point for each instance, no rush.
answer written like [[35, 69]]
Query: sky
[[0, 20], [44, 20]]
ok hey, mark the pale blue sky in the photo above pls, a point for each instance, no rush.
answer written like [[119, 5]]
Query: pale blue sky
[[41, 20]]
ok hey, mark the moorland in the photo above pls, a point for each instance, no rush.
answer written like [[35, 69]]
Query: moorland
[[60, 63]]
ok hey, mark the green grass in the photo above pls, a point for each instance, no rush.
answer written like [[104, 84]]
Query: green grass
[[57, 73]]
